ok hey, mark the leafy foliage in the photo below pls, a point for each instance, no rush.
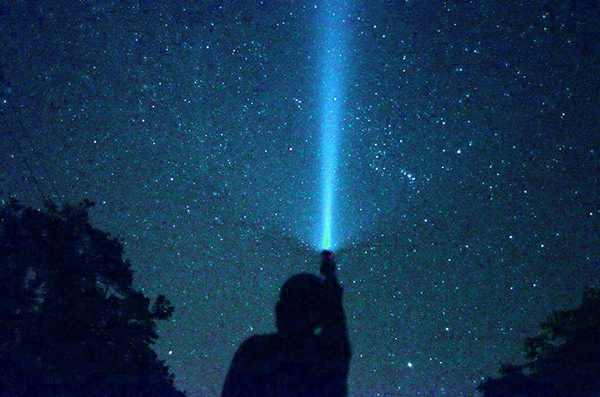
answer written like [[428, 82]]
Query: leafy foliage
[[70, 321], [564, 359]]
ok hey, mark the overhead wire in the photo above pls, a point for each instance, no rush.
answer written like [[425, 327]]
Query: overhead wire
[[16, 115], [33, 146], [36, 183]]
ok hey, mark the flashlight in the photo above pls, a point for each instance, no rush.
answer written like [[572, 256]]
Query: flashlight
[[327, 263]]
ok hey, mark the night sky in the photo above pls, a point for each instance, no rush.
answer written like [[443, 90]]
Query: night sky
[[465, 165]]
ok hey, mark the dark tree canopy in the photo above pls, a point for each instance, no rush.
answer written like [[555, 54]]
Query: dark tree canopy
[[563, 360], [71, 322]]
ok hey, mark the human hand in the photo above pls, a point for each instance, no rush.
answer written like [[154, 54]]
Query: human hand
[[328, 267]]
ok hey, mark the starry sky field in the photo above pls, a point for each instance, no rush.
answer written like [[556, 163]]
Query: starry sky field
[[466, 200]]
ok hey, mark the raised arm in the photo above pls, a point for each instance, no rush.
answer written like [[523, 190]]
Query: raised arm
[[334, 332]]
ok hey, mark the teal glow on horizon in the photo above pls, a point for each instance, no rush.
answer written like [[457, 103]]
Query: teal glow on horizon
[[330, 122]]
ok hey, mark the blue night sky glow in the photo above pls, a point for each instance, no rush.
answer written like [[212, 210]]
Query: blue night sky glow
[[456, 174]]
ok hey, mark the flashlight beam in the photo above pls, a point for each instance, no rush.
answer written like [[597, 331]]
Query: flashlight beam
[[330, 121]]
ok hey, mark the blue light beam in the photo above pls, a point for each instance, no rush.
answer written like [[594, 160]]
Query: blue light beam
[[330, 121]]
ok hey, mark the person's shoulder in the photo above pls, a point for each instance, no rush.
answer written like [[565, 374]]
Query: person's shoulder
[[259, 342], [256, 350]]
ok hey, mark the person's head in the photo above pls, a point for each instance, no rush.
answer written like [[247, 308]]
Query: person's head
[[298, 310]]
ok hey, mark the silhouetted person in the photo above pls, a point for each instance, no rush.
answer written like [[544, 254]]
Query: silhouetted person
[[310, 353]]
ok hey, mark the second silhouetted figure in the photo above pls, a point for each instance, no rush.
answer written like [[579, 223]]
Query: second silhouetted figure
[[310, 353]]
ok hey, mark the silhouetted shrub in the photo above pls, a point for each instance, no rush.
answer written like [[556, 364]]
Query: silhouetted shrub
[[70, 321], [564, 359]]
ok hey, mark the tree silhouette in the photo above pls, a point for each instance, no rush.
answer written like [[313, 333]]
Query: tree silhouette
[[563, 360], [70, 321]]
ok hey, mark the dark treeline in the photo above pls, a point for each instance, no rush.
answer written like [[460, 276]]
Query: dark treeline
[[563, 360], [70, 321], [72, 324]]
